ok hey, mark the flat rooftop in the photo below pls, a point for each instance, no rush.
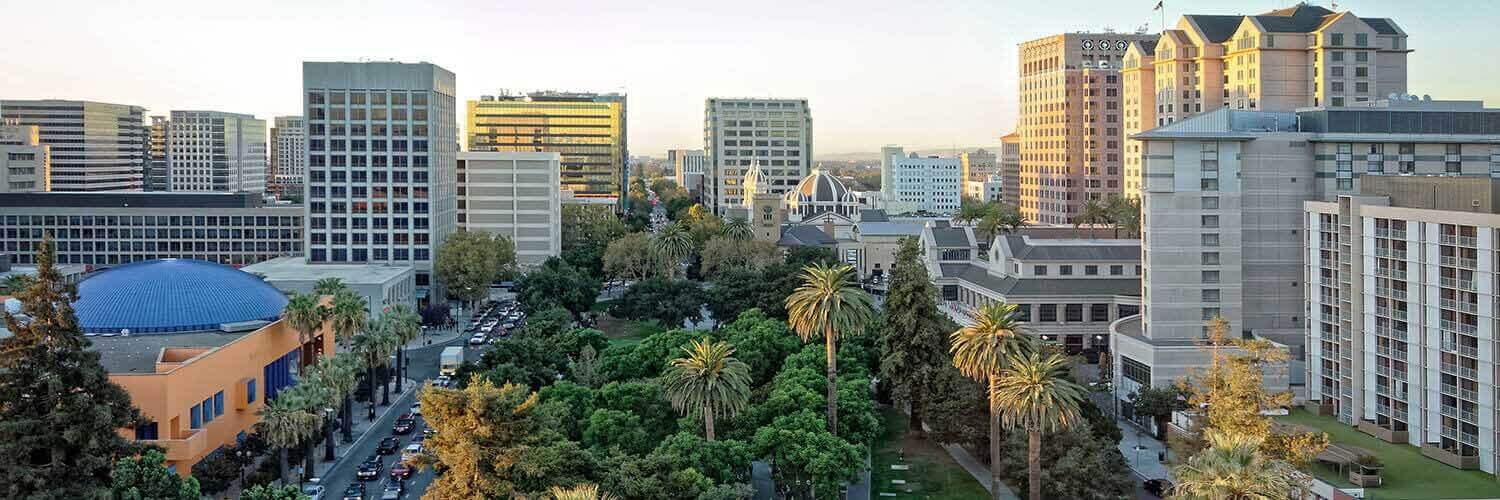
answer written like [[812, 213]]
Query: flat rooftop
[[295, 268], [138, 353], [131, 199]]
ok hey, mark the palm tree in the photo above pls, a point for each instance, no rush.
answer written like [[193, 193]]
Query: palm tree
[[370, 347], [313, 399], [284, 423], [350, 313], [338, 374], [329, 286], [829, 303], [738, 228], [970, 211], [1233, 467], [1036, 394], [1126, 214], [673, 243], [1000, 218], [980, 351], [580, 492], [13, 284], [305, 314], [406, 325], [1092, 213], [708, 379]]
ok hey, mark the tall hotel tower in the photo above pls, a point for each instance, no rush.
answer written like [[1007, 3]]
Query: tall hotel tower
[[775, 134]]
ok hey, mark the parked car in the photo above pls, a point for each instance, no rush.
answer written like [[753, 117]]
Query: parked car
[[394, 490], [411, 452], [355, 491], [508, 324], [313, 491], [416, 408], [478, 338], [404, 426], [442, 381], [1158, 487], [429, 432], [400, 471], [369, 470], [388, 446]]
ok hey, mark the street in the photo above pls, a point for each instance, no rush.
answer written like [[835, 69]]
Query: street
[[423, 366]]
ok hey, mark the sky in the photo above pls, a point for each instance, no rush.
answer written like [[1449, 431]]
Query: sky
[[919, 73]]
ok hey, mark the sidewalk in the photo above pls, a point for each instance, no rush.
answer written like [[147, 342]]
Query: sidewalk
[[1141, 451]]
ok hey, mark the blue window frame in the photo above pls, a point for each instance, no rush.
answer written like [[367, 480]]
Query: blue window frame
[[219, 404], [208, 410], [250, 391], [278, 374], [195, 417], [146, 432]]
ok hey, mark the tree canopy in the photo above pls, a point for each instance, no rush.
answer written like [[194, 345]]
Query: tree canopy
[[557, 283], [669, 301], [468, 261]]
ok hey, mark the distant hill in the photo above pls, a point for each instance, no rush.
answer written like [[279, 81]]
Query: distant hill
[[874, 156]]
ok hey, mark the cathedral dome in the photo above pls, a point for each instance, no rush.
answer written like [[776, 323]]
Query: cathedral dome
[[821, 192]]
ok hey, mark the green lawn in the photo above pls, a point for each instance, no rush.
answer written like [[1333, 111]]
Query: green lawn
[[1407, 474], [933, 474], [623, 332]]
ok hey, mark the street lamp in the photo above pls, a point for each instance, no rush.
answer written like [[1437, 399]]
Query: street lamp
[[328, 414], [244, 458]]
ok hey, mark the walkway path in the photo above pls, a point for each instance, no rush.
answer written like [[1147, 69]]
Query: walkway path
[[1142, 451], [975, 468]]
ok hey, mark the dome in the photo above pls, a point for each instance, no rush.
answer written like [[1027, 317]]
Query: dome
[[173, 295], [818, 193]]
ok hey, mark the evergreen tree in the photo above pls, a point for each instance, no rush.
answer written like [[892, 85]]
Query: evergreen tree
[[913, 333], [147, 478], [59, 412]]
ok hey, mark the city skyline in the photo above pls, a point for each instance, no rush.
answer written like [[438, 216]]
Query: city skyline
[[971, 45]]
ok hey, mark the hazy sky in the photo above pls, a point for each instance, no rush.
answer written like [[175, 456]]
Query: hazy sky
[[921, 73]]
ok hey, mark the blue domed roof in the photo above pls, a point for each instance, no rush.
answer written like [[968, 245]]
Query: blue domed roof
[[173, 295]]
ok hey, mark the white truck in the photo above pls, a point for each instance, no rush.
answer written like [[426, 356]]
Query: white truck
[[451, 359]]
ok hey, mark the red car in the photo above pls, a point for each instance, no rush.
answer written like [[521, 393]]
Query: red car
[[400, 471]]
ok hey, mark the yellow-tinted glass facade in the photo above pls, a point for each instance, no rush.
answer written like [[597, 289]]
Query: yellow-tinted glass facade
[[588, 130]]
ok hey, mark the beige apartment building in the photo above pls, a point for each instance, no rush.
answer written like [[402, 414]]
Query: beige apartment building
[[1070, 126], [25, 163], [1282, 60]]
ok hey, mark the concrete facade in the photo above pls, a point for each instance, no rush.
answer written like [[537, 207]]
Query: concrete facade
[[381, 285], [515, 195], [929, 184], [773, 134], [96, 146], [25, 164], [288, 155], [1010, 168], [216, 151], [687, 169]]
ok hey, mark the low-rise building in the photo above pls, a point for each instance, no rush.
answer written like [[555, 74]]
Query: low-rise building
[[112, 228], [987, 190], [1068, 290], [25, 163], [515, 195], [382, 285]]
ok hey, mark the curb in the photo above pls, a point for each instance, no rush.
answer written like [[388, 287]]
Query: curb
[[339, 460]]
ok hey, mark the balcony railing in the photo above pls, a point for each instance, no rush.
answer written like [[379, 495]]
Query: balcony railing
[[1390, 272], [1456, 391], [1390, 253], [1391, 292], [1328, 263], [1390, 313], [1463, 437], [1457, 283], [1329, 318], [1464, 350], [1454, 326], [1460, 370], [1458, 305], [1387, 371], [1386, 351], [1399, 234], [1386, 331], [1451, 261], [1453, 239], [1460, 413]]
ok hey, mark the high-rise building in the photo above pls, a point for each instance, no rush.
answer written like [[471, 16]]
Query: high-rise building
[[95, 146], [25, 164], [687, 169], [1070, 122], [888, 155], [1225, 235], [515, 195], [588, 130], [156, 154], [925, 184], [978, 165], [1282, 60], [382, 152], [1010, 168], [776, 134], [288, 154], [216, 151]]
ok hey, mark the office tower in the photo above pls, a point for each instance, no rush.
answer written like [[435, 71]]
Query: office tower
[[978, 165], [888, 156], [95, 146], [156, 154], [1280, 60], [925, 184], [1010, 168], [687, 169], [1400, 287], [25, 164], [382, 146], [1224, 231], [515, 195], [107, 229], [288, 154], [1070, 122], [216, 151], [776, 134], [588, 130]]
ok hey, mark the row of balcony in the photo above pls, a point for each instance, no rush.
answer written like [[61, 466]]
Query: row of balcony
[[1458, 284], [1390, 272], [1468, 438], [1391, 353], [1459, 305], [1452, 261], [1388, 372], [1390, 253], [1391, 292], [1391, 412], [1390, 313], [1454, 326], [1464, 350], [1399, 234], [1453, 239], [1386, 331], [1459, 392], [1459, 413], [1460, 370]]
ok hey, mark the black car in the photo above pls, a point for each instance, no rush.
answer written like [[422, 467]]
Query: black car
[[403, 426], [369, 470], [1158, 487], [355, 491], [388, 446]]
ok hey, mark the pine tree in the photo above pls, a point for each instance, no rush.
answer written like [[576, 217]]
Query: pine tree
[[913, 333], [59, 412]]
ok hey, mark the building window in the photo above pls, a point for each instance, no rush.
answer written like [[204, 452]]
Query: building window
[[1116, 270], [1073, 313], [219, 404], [1091, 270], [1336, 40], [1211, 295], [1361, 39], [1210, 239], [1210, 276], [1210, 313], [1135, 371], [250, 391], [1345, 184], [1039, 270], [195, 417], [1023, 313], [1210, 258], [1209, 221], [208, 410], [1065, 270], [1048, 313], [1210, 203], [1099, 312]]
